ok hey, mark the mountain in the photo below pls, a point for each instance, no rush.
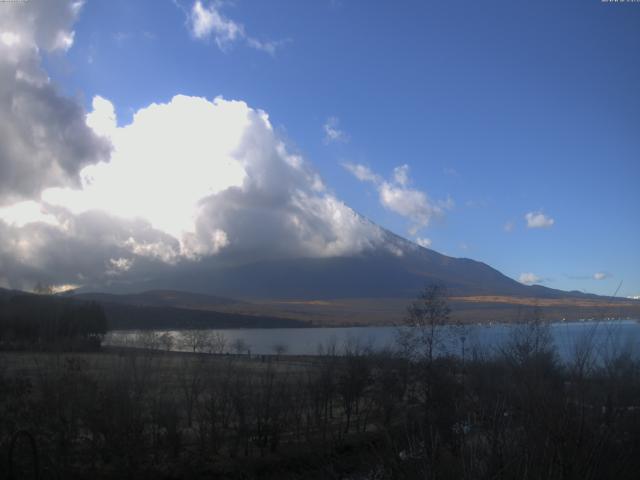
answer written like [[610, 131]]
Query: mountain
[[373, 287], [399, 272]]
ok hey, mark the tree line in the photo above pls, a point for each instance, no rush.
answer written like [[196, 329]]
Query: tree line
[[30, 321]]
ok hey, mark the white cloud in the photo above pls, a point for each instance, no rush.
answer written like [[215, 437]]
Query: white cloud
[[44, 25], [118, 266], [26, 212], [600, 275], [397, 197], [207, 22], [423, 242], [413, 204], [529, 278], [401, 175], [538, 220], [9, 39], [332, 132], [102, 119], [44, 140], [190, 179], [63, 288], [64, 40], [85, 202], [269, 46], [77, 249], [181, 152], [362, 172]]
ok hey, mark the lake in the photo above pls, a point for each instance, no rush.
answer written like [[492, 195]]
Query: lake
[[607, 337]]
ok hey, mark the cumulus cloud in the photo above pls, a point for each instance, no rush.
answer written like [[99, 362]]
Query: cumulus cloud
[[44, 140], [412, 204], [332, 132], [397, 196], [177, 153], [47, 25], [529, 278], [207, 22], [601, 275], [79, 249], [188, 180], [26, 212], [538, 220]]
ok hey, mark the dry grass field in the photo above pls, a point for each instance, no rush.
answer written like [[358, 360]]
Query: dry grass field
[[472, 309]]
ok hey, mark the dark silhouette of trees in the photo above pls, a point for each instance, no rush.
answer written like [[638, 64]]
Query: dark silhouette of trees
[[46, 321], [422, 333]]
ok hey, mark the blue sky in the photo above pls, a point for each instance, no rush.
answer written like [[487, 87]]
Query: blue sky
[[498, 108]]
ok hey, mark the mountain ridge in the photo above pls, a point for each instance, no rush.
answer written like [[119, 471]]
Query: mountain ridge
[[371, 287], [376, 273]]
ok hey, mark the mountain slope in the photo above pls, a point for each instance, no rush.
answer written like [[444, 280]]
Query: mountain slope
[[162, 298], [373, 287], [379, 273]]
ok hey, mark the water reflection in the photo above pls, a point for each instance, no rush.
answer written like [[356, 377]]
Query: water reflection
[[604, 339]]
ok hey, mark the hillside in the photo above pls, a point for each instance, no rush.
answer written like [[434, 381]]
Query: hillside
[[145, 311], [398, 271]]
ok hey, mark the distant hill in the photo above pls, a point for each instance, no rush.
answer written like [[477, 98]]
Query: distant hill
[[156, 310], [132, 317], [161, 298]]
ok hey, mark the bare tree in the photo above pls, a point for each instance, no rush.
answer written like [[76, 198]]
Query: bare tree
[[280, 349], [530, 340], [148, 339], [194, 340], [166, 341], [217, 343], [191, 380], [422, 332], [240, 346]]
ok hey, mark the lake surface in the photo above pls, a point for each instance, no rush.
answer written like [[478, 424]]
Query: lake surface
[[606, 337]]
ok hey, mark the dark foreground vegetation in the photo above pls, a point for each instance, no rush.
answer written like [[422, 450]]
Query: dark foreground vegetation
[[515, 412]]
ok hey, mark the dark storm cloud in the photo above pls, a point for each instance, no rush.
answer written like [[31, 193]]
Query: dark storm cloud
[[44, 140]]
